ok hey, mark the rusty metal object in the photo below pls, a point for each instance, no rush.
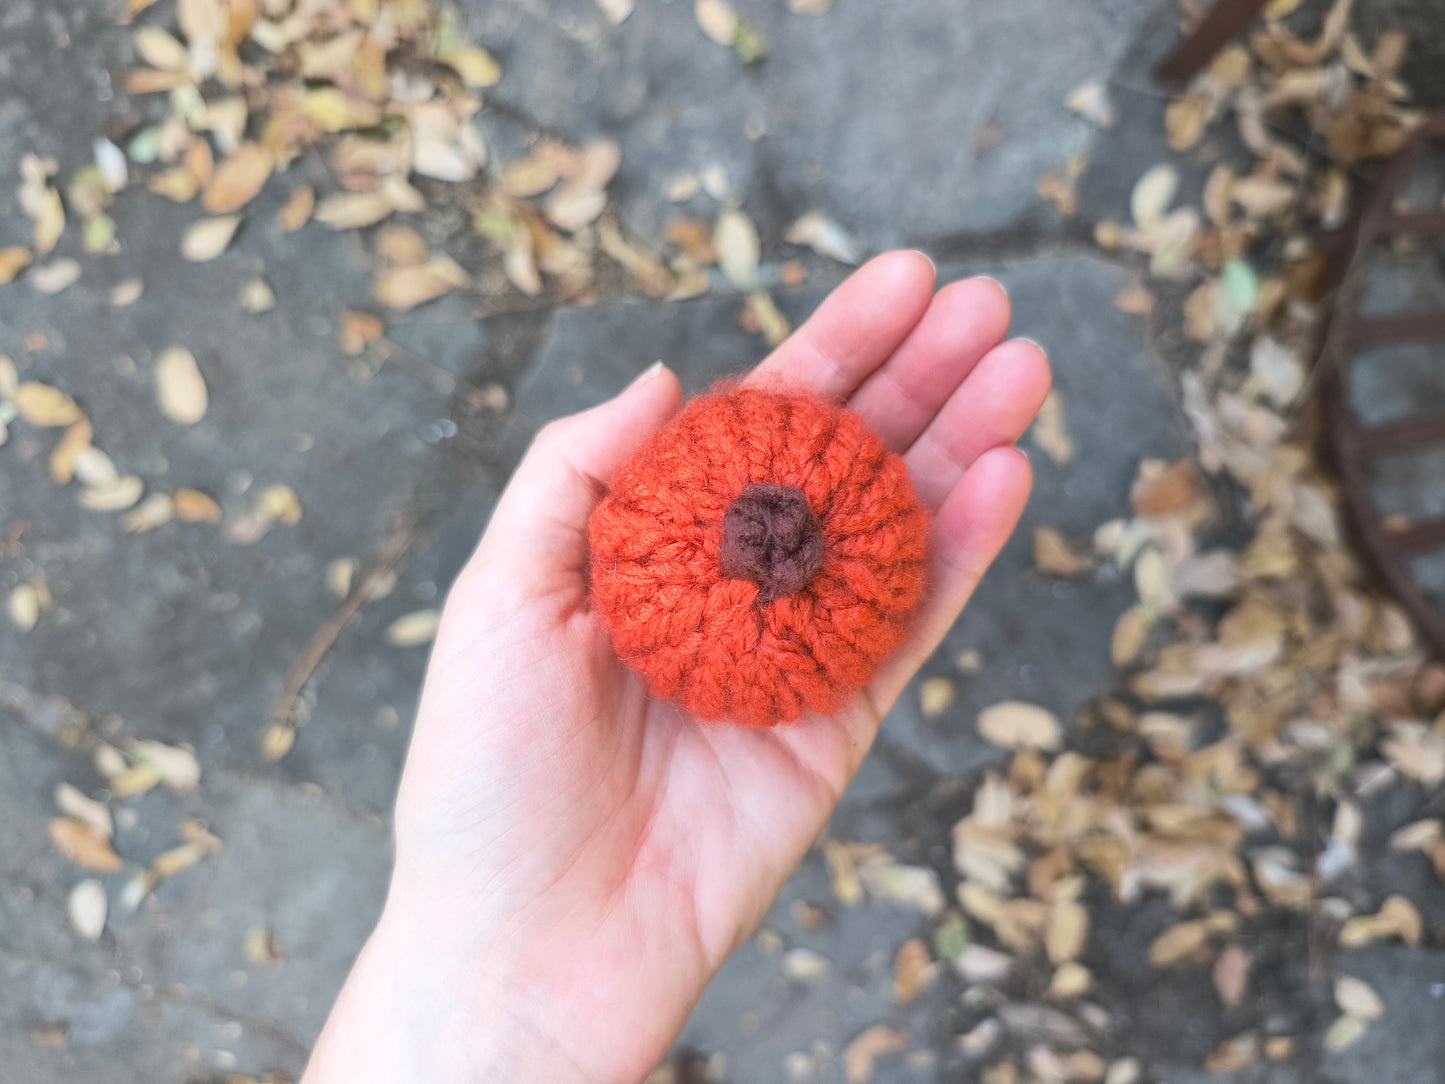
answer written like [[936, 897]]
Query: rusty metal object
[[1345, 334], [1225, 21]]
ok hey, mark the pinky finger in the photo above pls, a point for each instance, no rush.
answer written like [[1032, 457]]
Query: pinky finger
[[970, 528]]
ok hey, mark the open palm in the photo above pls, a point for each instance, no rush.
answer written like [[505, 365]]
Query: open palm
[[583, 856]]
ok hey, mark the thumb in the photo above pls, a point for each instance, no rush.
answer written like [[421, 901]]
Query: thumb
[[538, 533]]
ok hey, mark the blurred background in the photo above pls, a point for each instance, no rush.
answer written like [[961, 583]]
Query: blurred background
[[286, 285]]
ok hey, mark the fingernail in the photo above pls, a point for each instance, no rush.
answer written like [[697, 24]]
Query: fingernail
[[927, 257], [647, 374], [1034, 343], [989, 278]]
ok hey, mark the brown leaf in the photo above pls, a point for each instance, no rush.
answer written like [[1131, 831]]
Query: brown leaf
[[1231, 975], [83, 845], [193, 506], [239, 179], [408, 287], [12, 262], [180, 388], [299, 208], [1186, 118], [401, 246], [760, 311], [1053, 555], [1131, 632], [1135, 300], [73, 803], [355, 331], [860, 1055], [1050, 432], [67, 452], [912, 971]]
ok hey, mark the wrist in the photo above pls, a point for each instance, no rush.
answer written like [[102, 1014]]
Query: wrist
[[420, 1007]]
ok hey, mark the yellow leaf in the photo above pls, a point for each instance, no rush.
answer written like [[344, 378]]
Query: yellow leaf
[[177, 767], [83, 845], [180, 388], [1186, 118], [1130, 634], [179, 184], [530, 177], [49, 223], [476, 66], [45, 406], [113, 495], [238, 179], [209, 237], [1345, 1032], [154, 512], [334, 111], [935, 696], [414, 629], [1066, 931], [1050, 431]]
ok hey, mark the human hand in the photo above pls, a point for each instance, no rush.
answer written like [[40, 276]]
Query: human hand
[[575, 860]]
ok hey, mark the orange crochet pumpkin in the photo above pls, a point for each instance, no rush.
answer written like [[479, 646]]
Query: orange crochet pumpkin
[[758, 557]]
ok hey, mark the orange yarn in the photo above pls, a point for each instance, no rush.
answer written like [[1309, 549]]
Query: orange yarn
[[673, 547]]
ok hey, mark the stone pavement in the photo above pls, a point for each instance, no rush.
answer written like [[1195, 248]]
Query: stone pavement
[[868, 113]]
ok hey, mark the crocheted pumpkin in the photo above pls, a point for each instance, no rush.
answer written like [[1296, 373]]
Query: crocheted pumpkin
[[758, 557]]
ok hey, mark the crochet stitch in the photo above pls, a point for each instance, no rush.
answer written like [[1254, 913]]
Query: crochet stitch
[[758, 557]]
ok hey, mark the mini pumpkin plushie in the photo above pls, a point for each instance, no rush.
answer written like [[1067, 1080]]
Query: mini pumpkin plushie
[[759, 556]]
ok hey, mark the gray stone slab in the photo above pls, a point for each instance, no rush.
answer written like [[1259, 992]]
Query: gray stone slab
[[1407, 1045], [868, 113]]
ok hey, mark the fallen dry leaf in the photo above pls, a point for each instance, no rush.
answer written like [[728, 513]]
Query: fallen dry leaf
[[23, 607], [408, 287], [718, 20], [1014, 723], [1345, 1032], [353, 210], [860, 1055], [45, 406], [154, 512], [83, 845], [86, 907], [1231, 975], [1066, 932], [913, 970], [239, 179], [56, 276], [735, 240], [825, 237], [192, 506], [1054, 555], [1178, 943], [935, 696], [476, 66], [615, 11], [414, 629], [180, 388], [73, 803], [298, 209], [1050, 432], [1355, 997], [209, 237], [12, 262]]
